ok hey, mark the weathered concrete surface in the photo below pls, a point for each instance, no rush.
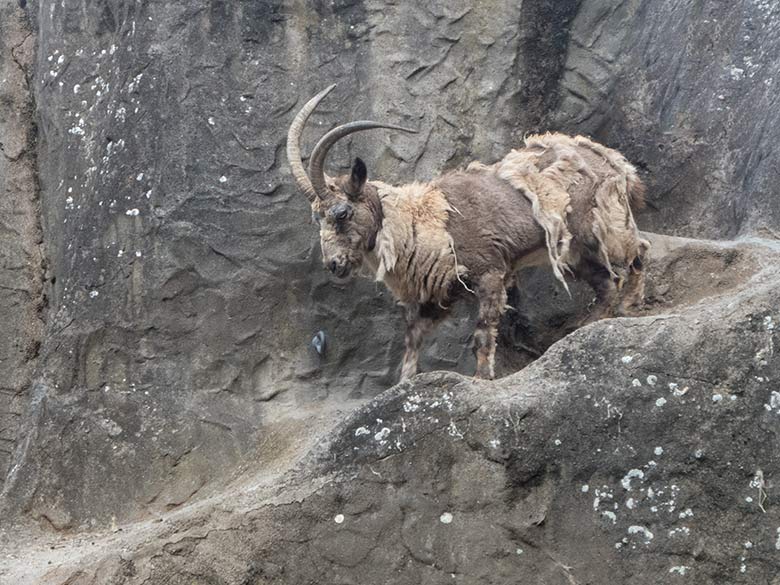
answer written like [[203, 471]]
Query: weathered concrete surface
[[21, 269], [642, 450], [185, 281]]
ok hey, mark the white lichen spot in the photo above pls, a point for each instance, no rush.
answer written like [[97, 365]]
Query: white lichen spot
[[362, 431], [698, 454], [445, 518], [148, 194], [748, 545], [632, 473], [749, 500], [557, 442], [211, 121], [627, 359], [134, 84], [412, 404], [777, 542], [139, 177], [687, 513], [138, 253], [717, 398], [611, 515], [774, 400], [630, 503], [518, 551], [636, 383], [93, 294], [736, 73], [133, 212], [680, 569], [601, 495], [660, 402], [76, 88], [646, 534], [223, 179], [382, 434], [769, 324], [494, 443], [651, 379], [658, 450], [681, 530], [338, 518], [585, 488]]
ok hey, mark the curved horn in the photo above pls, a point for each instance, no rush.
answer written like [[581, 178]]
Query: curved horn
[[317, 159], [294, 144]]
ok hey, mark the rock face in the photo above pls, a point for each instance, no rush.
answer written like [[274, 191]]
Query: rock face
[[688, 92], [149, 217]]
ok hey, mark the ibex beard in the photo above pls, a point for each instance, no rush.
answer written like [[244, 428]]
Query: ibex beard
[[558, 200]]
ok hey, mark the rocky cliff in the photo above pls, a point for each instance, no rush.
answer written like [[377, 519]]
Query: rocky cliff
[[160, 283]]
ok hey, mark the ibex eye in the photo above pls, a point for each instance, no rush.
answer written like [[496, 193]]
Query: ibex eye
[[340, 212]]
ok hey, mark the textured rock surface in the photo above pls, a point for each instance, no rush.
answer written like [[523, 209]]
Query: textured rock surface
[[689, 92], [638, 450], [21, 289], [184, 285]]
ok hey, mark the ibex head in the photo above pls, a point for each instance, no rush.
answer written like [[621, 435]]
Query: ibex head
[[347, 208]]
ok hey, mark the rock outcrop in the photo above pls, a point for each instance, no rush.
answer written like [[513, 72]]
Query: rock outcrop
[[638, 450]]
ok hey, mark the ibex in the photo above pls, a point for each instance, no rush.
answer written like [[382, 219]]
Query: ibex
[[559, 200]]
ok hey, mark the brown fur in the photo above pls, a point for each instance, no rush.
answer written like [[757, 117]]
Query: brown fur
[[563, 199]]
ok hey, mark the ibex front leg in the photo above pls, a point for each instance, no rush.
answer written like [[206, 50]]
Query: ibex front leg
[[420, 319], [492, 304]]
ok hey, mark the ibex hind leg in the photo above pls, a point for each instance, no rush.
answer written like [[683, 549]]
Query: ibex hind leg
[[492, 304], [600, 280], [633, 293]]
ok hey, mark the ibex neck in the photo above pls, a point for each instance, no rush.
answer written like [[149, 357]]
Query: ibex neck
[[414, 254]]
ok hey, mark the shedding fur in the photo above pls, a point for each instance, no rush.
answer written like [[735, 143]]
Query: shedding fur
[[546, 171], [415, 254]]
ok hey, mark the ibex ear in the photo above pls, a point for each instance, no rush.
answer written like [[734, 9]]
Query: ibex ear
[[357, 180]]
